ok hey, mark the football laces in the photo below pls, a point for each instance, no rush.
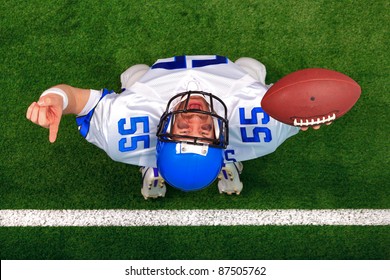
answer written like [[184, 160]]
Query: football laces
[[313, 121]]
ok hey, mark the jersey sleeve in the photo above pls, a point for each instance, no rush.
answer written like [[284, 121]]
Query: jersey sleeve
[[94, 98], [84, 119], [123, 125]]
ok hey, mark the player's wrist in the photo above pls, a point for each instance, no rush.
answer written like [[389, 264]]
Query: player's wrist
[[59, 92]]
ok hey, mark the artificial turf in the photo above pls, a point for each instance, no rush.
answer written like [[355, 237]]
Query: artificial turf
[[88, 44]]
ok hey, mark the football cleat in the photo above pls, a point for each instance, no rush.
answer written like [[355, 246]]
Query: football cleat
[[229, 178], [153, 185]]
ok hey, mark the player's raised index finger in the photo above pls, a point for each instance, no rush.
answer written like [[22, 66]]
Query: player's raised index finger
[[53, 131]]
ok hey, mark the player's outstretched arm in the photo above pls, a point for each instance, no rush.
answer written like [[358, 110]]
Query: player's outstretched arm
[[50, 107]]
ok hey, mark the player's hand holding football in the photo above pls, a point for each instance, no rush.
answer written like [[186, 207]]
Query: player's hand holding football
[[47, 112], [315, 127]]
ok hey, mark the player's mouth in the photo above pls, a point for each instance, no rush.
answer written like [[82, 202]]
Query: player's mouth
[[315, 120], [195, 106]]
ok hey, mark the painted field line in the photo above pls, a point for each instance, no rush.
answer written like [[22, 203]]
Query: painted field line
[[226, 217]]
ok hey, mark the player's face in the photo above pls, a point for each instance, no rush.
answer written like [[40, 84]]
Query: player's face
[[194, 124]]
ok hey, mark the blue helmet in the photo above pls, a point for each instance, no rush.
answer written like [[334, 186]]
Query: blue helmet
[[192, 135]]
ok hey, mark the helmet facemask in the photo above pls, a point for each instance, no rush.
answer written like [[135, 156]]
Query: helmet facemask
[[211, 120]]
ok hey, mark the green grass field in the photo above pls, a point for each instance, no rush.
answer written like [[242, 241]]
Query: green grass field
[[85, 44]]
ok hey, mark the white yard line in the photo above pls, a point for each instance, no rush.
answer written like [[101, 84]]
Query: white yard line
[[227, 217]]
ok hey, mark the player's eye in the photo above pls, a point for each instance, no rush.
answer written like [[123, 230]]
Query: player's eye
[[207, 127], [182, 125], [183, 132]]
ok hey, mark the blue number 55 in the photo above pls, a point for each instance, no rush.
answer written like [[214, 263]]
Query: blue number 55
[[136, 123]]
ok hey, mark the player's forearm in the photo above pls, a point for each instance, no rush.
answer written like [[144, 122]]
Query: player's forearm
[[77, 98]]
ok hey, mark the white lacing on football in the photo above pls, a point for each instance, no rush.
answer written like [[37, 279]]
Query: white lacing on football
[[307, 122]]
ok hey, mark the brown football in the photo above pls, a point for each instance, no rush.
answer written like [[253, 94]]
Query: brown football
[[310, 97]]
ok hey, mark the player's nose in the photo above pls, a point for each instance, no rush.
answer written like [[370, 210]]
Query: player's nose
[[195, 116], [200, 130]]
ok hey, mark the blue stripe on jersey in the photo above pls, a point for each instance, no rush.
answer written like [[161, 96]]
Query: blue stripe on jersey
[[205, 62], [83, 122], [180, 62]]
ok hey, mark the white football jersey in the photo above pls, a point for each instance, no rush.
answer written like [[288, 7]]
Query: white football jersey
[[124, 125]]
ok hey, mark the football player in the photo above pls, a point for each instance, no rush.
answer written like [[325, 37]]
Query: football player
[[186, 120]]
